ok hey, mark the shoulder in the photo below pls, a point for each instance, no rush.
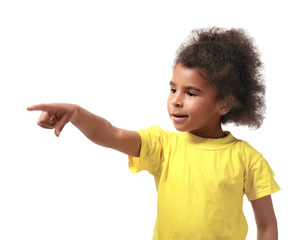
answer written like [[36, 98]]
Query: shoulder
[[157, 132], [247, 152], [246, 148]]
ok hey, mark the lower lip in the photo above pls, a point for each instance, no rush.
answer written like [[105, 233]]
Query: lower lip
[[178, 119]]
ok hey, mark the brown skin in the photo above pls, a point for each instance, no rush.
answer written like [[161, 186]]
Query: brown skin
[[265, 218], [95, 128], [195, 101]]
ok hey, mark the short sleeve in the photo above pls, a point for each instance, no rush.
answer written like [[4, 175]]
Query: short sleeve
[[150, 154], [260, 180]]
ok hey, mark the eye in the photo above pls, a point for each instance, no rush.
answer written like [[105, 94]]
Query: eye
[[190, 94], [173, 90]]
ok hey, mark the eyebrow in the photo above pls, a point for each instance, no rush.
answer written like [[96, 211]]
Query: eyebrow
[[186, 87]]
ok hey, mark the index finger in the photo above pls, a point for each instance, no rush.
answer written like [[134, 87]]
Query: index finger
[[40, 107]]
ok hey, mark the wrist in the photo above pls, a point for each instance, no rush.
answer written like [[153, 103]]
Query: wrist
[[76, 114]]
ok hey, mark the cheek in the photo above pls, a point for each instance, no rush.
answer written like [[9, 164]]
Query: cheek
[[195, 105], [197, 111], [202, 108], [168, 103]]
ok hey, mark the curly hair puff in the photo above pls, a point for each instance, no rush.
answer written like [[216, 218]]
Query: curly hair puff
[[230, 61]]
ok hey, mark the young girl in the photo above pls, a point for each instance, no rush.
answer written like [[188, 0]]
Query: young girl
[[202, 172]]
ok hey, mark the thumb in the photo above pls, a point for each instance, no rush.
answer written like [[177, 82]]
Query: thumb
[[57, 132], [60, 125]]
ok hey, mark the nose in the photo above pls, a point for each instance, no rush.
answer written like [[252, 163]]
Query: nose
[[177, 100]]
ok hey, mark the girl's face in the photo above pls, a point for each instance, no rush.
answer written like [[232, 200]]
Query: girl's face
[[193, 105]]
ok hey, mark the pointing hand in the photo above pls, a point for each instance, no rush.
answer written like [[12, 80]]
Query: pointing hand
[[55, 116]]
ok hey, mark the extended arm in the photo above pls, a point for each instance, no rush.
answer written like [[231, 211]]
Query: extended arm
[[265, 218], [95, 128]]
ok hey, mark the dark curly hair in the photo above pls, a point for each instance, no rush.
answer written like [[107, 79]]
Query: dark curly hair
[[230, 61]]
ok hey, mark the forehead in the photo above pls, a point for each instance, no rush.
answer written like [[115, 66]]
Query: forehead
[[188, 77]]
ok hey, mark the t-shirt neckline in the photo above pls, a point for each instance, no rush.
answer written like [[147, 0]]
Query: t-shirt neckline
[[209, 143]]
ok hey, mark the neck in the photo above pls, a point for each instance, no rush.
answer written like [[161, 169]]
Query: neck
[[210, 132]]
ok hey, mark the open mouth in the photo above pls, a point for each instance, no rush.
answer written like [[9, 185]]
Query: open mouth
[[180, 116]]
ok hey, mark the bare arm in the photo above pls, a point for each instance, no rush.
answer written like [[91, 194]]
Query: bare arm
[[265, 218], [95, 128]]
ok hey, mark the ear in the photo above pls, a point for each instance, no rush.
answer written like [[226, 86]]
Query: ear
[[226, 104]]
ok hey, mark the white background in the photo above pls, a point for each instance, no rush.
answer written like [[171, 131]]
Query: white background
[[115, 59]]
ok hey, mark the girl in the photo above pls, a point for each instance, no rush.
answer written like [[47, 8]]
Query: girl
[[202, 172]]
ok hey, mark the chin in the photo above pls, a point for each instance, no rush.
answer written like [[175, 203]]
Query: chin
[[181, 129]]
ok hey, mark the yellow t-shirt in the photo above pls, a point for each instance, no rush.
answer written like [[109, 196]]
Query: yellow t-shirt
[[201, 183]]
